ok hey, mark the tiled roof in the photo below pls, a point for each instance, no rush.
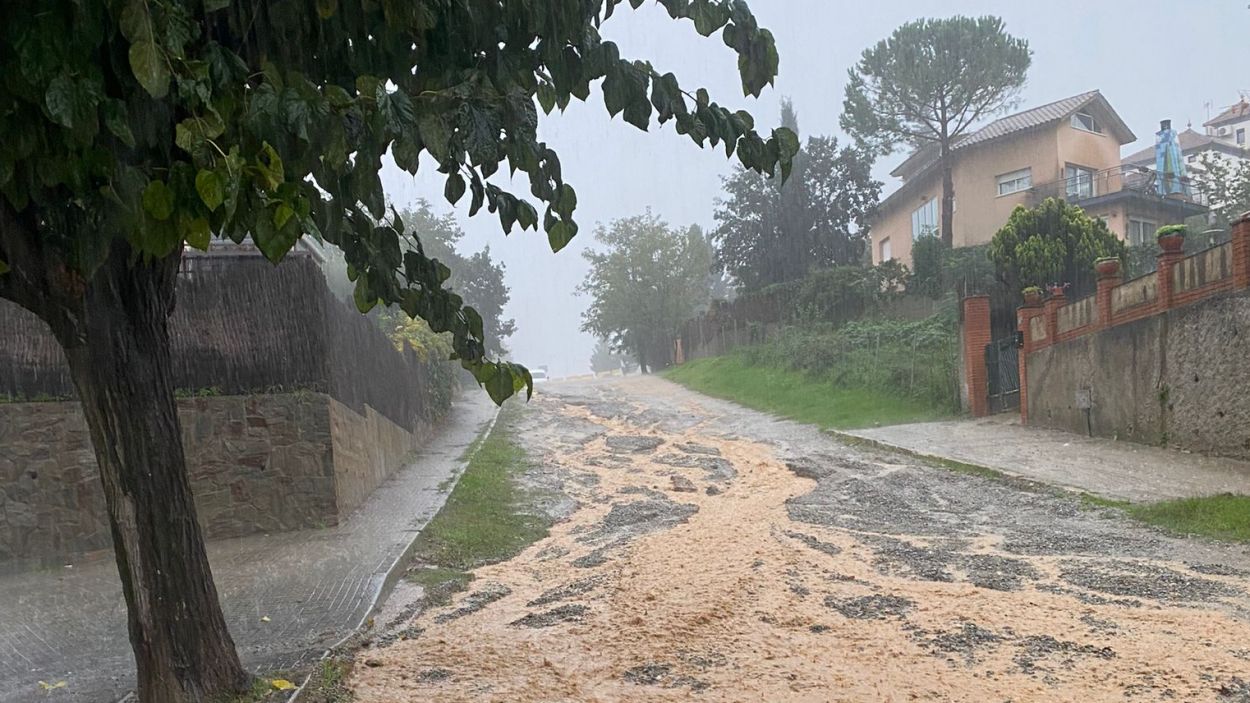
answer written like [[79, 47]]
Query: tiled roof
[[1190, 141], [1234, 113], [1012, 124]]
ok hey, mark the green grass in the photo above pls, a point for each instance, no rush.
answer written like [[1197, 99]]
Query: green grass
[[488, 517], [798, 396], [1225, 516]]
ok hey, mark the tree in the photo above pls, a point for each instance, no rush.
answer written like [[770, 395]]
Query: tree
[[1225, 186], [649, 280], [928, 84], [1052, 243], [134, 128], [477, 278], [770, 233], [603, 359]]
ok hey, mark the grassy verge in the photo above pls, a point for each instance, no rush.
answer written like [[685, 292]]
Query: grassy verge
[[797, 396], [489, 516], [1225, 517]]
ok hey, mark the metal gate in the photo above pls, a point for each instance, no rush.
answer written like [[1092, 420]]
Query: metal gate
[[1002, 365]]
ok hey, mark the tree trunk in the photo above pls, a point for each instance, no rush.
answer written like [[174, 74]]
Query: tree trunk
[[948, 197], [118, 352]]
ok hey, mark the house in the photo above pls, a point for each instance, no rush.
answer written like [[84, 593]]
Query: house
[[1232, 124], [1067, 149]]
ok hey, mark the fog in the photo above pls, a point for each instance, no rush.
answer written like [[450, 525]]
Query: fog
[[1152, 60]]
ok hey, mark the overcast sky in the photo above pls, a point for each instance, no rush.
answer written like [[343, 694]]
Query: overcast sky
[[1151, 59]]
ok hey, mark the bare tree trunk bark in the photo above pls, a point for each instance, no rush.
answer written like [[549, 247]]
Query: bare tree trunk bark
[[119, 357], [948, 197]]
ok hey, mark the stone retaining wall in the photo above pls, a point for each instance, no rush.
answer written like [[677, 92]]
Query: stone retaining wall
[[258, 463]]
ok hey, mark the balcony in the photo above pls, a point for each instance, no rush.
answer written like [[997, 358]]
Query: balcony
[[1096, 185]]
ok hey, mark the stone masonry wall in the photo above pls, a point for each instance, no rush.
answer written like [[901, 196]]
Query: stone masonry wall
[[258, 463], [367, 449], [1173, 378]]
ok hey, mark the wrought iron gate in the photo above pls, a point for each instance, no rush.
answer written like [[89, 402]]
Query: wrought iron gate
[[1002, 358]]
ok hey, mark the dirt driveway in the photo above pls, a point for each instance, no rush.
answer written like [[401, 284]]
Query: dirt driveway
[[716, 554]]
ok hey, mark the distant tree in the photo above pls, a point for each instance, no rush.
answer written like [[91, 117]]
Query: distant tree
[[135, 128], [1052, 243], [768, 232], [929, 83], [646, 281], [1224, 185], [477, 278], [603, 359]]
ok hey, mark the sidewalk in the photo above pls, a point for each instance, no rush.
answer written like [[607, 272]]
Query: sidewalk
[[287, 597], [1104, 467]]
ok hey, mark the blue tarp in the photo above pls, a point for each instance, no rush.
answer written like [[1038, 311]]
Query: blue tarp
[[1169, 164]]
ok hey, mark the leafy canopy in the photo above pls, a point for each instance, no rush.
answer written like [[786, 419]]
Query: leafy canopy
[[164, 123], [931, 80], [647, 280], [771, 232], [1225, 185], [1052, 243]]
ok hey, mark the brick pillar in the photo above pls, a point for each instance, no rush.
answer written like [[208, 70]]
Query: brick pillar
[[1024, 318], [1051, 309], [1107, 281], [976, 335], [1166, 290], [1241, 251]]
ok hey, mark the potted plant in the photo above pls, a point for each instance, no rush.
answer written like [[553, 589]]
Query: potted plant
[[1171, 238], [1107, 266], [1032, 295], [1057, 290]]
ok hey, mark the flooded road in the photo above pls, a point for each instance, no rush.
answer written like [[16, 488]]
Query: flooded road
[[713, 553]]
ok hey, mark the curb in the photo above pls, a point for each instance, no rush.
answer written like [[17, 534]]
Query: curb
[[960, 466], [398, 566]]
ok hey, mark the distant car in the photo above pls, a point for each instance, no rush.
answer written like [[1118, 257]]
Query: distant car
[[539, 375]]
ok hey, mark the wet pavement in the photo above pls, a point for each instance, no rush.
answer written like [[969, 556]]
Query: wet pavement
[[1104, 467], [287, 597], [800, 568]]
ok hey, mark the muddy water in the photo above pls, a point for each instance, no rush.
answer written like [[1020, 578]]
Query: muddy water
[[685, 575]]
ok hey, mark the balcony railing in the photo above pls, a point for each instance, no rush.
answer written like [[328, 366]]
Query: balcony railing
[[1117, 179]]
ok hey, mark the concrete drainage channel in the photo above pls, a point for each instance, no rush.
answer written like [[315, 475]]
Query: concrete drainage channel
[[396, 568], [393, 573]]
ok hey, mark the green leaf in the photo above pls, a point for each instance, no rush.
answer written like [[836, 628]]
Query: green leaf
[[199, 234], [148, 64], [269, 167], [560, 234], [215, 5], [361, 296], [454, 189], [210, 188], [61, 100], [327, 8], [117, 121], [282, 215], [435, 135], [501, 384], [133, 21], [158, 200], [4, 268]]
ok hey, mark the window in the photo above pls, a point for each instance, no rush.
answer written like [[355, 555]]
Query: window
[[1241, 136], [924, 219], [1085, 121], [1191, 158], [1140, 231], [1080, 182], [1015, 181], [884, 251]]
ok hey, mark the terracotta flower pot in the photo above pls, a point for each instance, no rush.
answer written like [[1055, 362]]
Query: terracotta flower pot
[[1107, 268], [1032, 297], [1056, 291], [1172, 243]]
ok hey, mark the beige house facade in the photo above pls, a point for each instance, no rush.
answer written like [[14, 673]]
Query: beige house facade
[[1068, 149]]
